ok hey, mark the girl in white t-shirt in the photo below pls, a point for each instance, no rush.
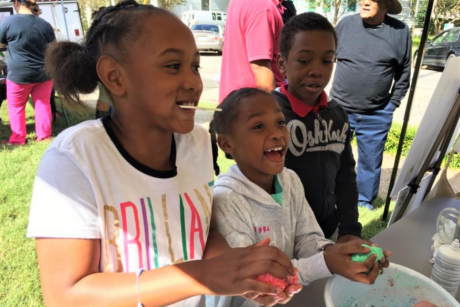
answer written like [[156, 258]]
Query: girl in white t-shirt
[[133, 191]]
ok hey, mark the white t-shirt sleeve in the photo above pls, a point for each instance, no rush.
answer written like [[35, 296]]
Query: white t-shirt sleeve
[[63, 202]]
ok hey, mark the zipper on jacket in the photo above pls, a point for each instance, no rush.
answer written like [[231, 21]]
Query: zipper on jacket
[[326, 186], [325, 183], [318, 116]]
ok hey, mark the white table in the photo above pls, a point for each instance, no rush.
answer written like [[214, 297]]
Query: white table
[[409, 240]]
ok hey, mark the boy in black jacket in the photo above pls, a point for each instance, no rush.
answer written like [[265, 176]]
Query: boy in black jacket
[[320, 151]]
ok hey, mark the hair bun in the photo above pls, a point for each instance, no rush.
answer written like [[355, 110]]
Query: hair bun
[[72, 68]]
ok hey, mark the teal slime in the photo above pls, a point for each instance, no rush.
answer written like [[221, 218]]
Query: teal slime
[[363, 257]]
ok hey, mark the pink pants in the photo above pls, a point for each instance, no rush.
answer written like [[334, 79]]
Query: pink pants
[[17, 96]]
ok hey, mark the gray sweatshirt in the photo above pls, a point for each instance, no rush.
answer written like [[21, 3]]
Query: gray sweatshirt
[[246, 214]]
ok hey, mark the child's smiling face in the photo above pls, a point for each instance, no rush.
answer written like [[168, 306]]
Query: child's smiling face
[[161, 73], [309, 64], [259, 138]]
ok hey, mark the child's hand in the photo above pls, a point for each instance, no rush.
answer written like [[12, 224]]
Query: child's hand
[[338, 260], [271, 300], [234, 272], [290, 292], [347, 238], [384, 262]]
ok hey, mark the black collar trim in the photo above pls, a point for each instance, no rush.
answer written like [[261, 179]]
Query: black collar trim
[[136, 164]]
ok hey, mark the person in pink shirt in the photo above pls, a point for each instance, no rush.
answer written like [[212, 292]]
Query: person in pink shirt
[[252, 35]]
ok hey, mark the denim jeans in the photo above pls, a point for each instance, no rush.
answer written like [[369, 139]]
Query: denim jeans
[[371, 133]]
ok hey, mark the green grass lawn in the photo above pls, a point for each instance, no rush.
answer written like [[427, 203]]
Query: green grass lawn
[[19, 279]]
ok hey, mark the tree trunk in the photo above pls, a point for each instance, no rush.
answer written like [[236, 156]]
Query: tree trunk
[[338, 3], [340, 14], [435, 15]]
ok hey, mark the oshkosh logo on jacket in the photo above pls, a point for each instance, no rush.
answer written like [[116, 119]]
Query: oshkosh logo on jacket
[[321, 138]]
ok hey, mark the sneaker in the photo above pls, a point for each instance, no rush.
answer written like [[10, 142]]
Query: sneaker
[[44, 139], [363, 204], [7, 143]]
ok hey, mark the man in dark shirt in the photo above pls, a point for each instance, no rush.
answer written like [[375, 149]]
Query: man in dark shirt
[[371, 79]]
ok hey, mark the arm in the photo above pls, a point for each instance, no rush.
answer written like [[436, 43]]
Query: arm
[[334, 259], [260, 44], [232, 218], [3, 29], [216, 244], [70, 277], [264, 75], [346, 190], [309, 239], [233, 223], [402, 74], [338, 31], [51, 36]]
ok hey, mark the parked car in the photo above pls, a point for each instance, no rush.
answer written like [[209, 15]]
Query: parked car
[[191, 18], [208, 37], [442, 47]]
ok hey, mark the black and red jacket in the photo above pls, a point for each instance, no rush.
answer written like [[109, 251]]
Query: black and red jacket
[[321, 155]]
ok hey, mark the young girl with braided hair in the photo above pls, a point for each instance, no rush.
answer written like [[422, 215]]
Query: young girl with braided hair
[[132, 192]]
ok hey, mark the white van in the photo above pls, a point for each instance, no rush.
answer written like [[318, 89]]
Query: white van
[[52, 12], [191, 18]]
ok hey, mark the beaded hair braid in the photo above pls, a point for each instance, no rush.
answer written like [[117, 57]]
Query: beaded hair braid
[[113, 26]]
